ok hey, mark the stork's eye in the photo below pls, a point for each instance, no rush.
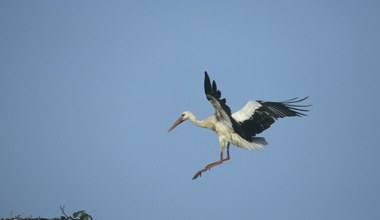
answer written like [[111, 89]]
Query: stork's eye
[[182, 115]]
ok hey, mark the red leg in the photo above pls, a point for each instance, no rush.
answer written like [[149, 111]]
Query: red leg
[[211, 165]]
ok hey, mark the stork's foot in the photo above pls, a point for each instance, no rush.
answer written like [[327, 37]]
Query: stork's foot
[[208, 167], [198, 174], [211, 165]]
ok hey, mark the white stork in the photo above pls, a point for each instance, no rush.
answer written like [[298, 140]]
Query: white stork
[[241, 127]]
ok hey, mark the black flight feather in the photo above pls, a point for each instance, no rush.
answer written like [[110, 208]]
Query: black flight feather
[[269, 112], [212, 90]]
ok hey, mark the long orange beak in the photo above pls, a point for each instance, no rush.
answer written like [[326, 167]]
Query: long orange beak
[[179, 121]]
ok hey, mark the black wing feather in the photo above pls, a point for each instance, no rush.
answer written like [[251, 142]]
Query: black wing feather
[[207, 85], [212, 90], [269, 112]]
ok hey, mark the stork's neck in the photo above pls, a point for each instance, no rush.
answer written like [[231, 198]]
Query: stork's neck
[[199, 123]]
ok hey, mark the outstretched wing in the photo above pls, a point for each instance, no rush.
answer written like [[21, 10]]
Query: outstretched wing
[[222, 110], [256, 116]]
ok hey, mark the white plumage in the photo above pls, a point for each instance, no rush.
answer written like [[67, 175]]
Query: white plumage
[[247, 111], [241, 127]]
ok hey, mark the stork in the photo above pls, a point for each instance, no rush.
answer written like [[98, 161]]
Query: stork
[[240, 128]]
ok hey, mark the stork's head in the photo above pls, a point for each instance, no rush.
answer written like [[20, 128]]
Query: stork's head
[[185, 115]]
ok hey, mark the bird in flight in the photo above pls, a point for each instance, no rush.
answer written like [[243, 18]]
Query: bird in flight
[[240, 128]]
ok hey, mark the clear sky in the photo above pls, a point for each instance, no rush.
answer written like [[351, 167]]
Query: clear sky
[[88, 90]]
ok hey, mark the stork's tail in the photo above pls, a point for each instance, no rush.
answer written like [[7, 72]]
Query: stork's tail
[[256, 143]]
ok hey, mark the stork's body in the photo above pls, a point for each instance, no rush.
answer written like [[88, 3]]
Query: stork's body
[[239, 128]]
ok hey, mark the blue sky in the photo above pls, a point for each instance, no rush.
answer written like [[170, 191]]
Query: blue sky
[[88, 90]]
